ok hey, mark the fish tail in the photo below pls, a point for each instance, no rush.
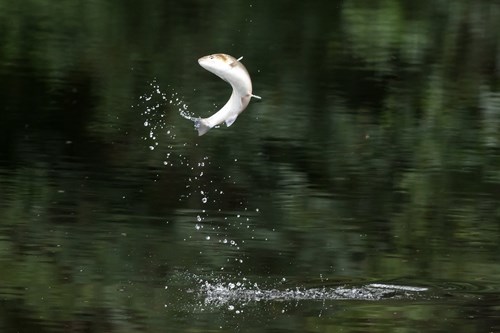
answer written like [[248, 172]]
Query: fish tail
[[201, 125]]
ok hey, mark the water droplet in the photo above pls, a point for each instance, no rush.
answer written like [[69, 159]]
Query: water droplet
[[204, 200], [207, 238]]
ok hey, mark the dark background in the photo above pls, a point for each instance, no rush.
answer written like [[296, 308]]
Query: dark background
[[374, 155]]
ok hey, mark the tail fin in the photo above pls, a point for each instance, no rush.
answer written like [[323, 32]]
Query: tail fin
[[201, 126]]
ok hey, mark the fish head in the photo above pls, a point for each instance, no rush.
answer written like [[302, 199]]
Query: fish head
[[229, 69], [218, 63]]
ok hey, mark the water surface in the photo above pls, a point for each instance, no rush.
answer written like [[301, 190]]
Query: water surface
[[360, 194]]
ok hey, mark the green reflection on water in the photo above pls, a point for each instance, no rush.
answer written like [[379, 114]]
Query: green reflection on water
[[373, 155]]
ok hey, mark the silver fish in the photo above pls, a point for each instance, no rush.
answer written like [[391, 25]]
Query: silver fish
[[233, 72]]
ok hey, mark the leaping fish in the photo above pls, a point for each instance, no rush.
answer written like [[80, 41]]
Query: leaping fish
[[233, 72]]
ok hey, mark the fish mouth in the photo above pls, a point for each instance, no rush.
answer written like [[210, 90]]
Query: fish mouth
[[204, 59], [202, 62]]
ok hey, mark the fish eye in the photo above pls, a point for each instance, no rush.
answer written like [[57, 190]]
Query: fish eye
[[211, 57]]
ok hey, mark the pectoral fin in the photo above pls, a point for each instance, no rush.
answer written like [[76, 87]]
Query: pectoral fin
[[231, 119]]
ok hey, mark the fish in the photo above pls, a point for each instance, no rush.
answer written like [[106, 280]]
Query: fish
[[233, 72]]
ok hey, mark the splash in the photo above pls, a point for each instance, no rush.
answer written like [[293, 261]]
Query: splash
[[154, 104], [217, 227], [208, 220], [244, 292]]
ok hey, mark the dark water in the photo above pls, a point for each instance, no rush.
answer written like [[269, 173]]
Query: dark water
[[360, 195]]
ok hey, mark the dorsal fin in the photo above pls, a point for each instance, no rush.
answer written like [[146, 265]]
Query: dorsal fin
[[234, 63]]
